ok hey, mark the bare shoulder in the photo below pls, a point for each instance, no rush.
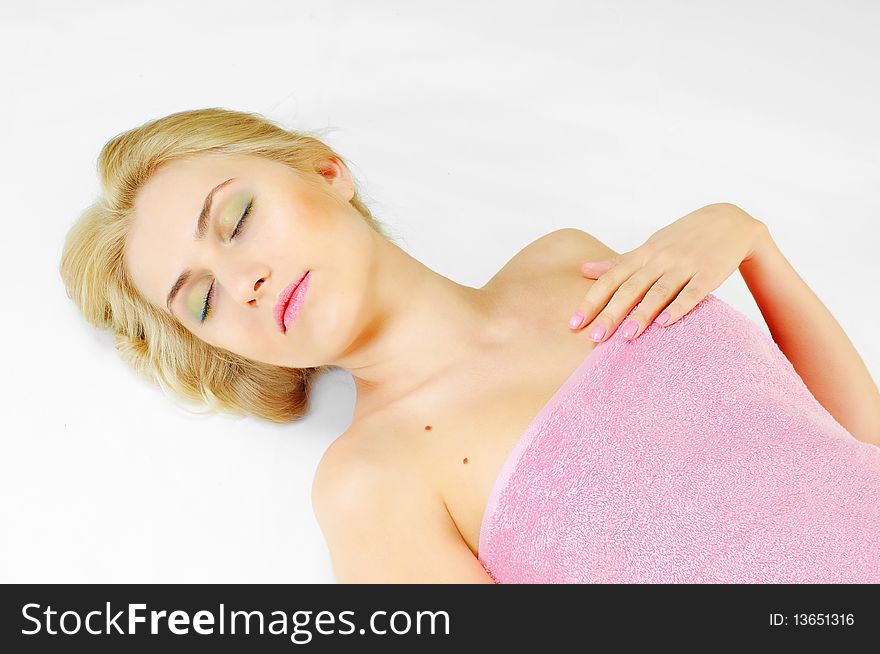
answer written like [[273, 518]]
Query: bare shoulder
[[383, 521], [563, 249], [351, 468], [569, 245]]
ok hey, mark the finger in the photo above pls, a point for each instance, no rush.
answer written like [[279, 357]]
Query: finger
[[628, 295], [596, 269], [600, 292], [622, 302], [690, 296], [657, 299]]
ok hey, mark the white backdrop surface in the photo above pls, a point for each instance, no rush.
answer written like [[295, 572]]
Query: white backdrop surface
[[472, 128]]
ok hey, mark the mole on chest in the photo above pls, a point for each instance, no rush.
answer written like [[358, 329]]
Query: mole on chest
[[428, 428]]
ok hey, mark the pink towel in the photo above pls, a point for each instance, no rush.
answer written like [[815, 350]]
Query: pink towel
[[694, 454]]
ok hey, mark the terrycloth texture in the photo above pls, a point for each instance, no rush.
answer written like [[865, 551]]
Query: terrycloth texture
[[694, 454]]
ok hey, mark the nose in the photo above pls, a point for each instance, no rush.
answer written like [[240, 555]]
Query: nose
[[239, 279], [248, 291], [257, 285]]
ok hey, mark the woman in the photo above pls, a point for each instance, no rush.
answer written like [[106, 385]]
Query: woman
[[235, 262]]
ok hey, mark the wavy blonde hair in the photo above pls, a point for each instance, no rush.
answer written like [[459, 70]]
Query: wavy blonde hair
[[152, 343]]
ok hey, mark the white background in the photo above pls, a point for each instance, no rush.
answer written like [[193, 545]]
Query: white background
[[472, 128]]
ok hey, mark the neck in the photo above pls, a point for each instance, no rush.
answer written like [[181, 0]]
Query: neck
[[419, 324]]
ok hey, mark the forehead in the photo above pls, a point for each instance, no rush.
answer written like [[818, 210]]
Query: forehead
[[185, 181]]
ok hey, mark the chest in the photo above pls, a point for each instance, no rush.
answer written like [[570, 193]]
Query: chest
[[469, 426]]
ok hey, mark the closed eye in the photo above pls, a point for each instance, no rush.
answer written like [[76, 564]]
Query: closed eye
[[206, 308], [247, 211]]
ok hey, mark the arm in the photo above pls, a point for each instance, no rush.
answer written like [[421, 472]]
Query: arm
[[385, 526], [813, 341]]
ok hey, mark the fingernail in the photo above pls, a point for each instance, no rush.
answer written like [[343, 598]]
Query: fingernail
[[575, 321], [598, 333], [662, 318], [629, 329]]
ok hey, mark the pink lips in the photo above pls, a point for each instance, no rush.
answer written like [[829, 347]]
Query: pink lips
[[289, 301]]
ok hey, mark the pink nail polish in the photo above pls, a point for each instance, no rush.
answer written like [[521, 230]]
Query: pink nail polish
[[575, 321], [597, 333], [662, 318], [629, 329]]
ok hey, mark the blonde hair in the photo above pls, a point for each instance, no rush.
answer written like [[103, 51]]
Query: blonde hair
[[150, 341]]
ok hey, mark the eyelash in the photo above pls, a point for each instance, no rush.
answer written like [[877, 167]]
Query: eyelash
[[206, 308]]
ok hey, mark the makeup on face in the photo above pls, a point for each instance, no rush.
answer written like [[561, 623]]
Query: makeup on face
[[232, 212], [290, 301], [231, 219]]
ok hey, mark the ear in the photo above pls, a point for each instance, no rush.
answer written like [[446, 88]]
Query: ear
[[336, 173]]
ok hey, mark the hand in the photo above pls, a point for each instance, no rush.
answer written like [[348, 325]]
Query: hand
[[671, 272]]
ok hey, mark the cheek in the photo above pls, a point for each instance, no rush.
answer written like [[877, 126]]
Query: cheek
[[332, 317], [338, 304], [279, 243], [292, 238]]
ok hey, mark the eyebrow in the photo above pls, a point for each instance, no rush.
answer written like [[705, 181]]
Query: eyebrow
[[199, 235]]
